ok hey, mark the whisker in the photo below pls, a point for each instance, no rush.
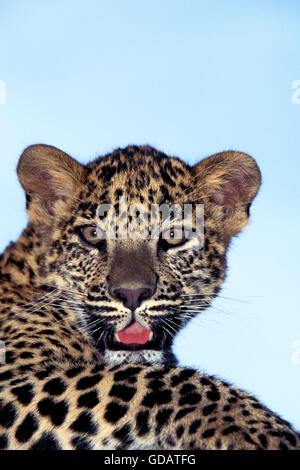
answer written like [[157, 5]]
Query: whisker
[[171, 334], [217, 295], [170, 326]]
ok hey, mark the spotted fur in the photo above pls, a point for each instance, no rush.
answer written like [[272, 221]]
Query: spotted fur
[[66, 383]]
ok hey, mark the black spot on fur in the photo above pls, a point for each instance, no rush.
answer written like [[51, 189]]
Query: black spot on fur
[[122, 391], [208, 433], [290, 438], [184, 412], [257, 406], [232, 400], [24, 393], [8, 414], [187, 388], [108, 172], [3, 441], [47, 441], [142, 422], [204, 381], [55, 386], [218, 444], [44, 373], [123, 435], [89, 399], [27, 428], [179, 431], [213, 394], [195, 426], [26, 355], [160, 397], [155, 384], [283, 446], [114, 412], [97, 368], [182, 377], [5, 375], [88, 382], [230, 429], [125, 374], [85, 424], [157, 374], [190, 399], [81, 443], [207, 410], [162, 418], [73, 372], [263, 440], [57, 411]]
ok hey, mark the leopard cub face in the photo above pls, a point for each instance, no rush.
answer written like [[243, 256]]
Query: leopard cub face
[[101, 238]]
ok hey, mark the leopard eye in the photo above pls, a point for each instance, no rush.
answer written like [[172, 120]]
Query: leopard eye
[[92, 235], [172, 238]]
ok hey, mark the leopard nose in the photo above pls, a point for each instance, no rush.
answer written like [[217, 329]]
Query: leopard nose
[[132, 298]]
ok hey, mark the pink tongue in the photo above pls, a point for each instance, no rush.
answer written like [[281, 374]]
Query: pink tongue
[[134, 333]]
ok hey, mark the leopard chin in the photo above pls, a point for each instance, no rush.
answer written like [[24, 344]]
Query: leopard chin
[[157, 350], [143, 356]]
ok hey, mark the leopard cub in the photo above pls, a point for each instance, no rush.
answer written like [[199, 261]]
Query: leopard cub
[[118, 256]]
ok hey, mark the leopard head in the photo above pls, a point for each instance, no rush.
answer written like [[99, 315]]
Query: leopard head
[[134, 273]]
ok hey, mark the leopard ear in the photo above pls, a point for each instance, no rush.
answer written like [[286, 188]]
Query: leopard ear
[[49, 178], [227, 183]]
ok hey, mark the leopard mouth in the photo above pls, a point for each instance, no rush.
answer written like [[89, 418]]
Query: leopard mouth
[[134, 333], [136, 338], [133, 337]]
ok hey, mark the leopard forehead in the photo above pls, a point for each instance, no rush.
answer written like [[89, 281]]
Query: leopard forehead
[[140, 173]]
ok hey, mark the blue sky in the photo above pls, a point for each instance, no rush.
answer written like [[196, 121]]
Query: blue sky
[[192, 78]]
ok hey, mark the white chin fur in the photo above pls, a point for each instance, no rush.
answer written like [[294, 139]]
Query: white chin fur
[[146, 356]]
